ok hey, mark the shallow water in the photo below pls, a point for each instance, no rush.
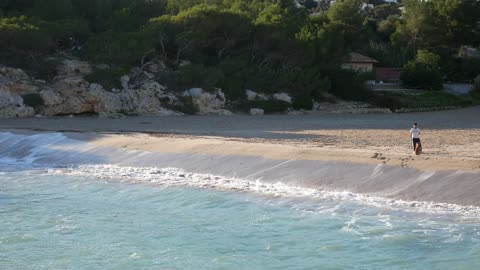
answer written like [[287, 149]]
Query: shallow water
[[70, 222], [65, 204]]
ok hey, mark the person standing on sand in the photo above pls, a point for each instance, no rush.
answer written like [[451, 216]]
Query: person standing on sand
[[415, 135]]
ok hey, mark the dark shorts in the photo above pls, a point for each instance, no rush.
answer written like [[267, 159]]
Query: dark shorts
[[415, 141]]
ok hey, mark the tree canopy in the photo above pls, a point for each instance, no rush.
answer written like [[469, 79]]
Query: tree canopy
[[250, 43]]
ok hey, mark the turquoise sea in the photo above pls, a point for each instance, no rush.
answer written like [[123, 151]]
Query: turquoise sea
[[55, 220]]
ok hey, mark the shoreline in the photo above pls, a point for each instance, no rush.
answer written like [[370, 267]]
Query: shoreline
[[304, 168], [267, 149], [306, 151]]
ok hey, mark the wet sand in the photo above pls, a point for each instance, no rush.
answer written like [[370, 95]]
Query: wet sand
[[451, 139]]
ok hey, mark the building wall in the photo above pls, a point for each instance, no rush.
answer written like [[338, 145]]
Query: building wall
[[391, 75]]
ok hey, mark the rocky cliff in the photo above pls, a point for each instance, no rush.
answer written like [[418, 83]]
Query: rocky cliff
[[139, 93], [69, 94]]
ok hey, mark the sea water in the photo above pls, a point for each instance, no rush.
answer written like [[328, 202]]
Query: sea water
[[90, 216]]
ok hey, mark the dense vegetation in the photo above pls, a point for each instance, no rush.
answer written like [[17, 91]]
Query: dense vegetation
[[263, 45]]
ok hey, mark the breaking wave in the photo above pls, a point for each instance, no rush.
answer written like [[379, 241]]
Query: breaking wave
[[56, 154]]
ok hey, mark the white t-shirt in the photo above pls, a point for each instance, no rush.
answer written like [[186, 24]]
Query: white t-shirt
[[415, 133]]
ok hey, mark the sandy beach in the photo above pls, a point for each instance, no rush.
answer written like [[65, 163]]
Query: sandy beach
[[451, 139]]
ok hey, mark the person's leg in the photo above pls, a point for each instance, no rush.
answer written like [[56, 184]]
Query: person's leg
[[415, 141]]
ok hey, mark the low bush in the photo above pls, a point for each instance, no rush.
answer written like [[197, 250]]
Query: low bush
[[109, 78], [185, 106], [22, 33], [304, 102], [118, 48], [348, 85], [33, 100], [418, 75], [197, 75], [386, 101], [428, 99]]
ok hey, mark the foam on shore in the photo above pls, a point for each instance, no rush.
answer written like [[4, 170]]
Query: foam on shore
[[178, 177], [378, 185]]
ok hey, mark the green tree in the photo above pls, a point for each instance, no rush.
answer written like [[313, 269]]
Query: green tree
[[460, 21], [423, 72], [383, 11], [347, 18], [53, 9]]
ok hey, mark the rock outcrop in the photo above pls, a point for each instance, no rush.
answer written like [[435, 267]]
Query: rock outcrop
[[72, 68], [283, 97], [256, 111], [16, 82], [11, 106], [208, 102], [139, 93], [70, 93]]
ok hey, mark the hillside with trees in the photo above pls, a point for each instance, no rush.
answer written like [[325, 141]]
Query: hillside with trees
[[262, 45]]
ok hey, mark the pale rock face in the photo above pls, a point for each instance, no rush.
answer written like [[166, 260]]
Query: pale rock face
[[124, 80], [168, 98], [152, 87], [207, 103], [148, 75], [50, 97], [146, 99], [257, 112], [225, 112], [71, 85], [283, 97], [11, 106], [166, 112], [69, 96], [155, 66], [12, 74], [262, 97], [74, 68], [104, 102], [16, 81], [194, 92], [251, 95]]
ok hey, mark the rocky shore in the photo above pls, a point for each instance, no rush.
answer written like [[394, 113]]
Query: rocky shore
[[70, 94]]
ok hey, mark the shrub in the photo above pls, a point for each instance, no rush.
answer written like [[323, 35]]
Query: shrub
[[62, 31], [197, 75], [302, 102], [423, 72], [33, 100], [44, 68], [21, 33], [462, 69], [118, 48], [418, 75], [186, 106], [348, 85], [386, 101], [109, 78]]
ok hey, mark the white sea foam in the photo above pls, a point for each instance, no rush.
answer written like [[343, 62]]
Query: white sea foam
[[57, 150], [179, 177]]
